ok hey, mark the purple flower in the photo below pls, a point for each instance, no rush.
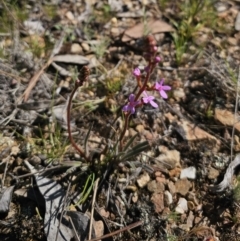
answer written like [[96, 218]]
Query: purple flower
[[161, 88], [137, 72], [149, 99], [130, 107], [157, 59]]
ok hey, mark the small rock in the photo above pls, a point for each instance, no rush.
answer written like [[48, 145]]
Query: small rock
[[35, 160], [104, 213], [70, 15], [135, 197], [140, 128], [183, 186], [168, 199], [174, 172], [226, 118], [170, 158], [76, 48], [161, 180], [114, 21], [189, 172], [221, 6], [34, 27], [179, 94], [158, 174], [232, 41], [181, 206], [143, 180], [115, 31], [132, 132], [154, 186], [171, 187], [98, 228], [191, 132], [157, 200], [213, 173], [190, 219], [85, 47]]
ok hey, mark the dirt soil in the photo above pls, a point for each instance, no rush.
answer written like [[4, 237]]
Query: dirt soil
[[183, 182]]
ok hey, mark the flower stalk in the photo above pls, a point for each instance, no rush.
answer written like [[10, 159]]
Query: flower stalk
[[134, 102], [79, 82]]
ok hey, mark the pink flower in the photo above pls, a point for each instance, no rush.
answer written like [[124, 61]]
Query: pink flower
[[157, 59], [137, 72], [130, 107], [149, 99], [161, 88]]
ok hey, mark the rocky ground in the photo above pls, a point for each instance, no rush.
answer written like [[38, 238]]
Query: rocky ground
[[177, 179]]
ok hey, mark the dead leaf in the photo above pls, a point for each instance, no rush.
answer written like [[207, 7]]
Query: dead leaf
[[71, 59], [227, 118], [54, 195], [190, 132], [153, 27], [5, 199]]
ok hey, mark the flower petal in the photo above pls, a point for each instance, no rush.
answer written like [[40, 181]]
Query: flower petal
[[163, 94], [131, 97], [132, 110], [166, 87], [145, 100], [125, 108], [136, 72], [153, 104], [157, 86]]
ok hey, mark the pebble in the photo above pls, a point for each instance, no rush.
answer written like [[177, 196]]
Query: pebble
[[182, 206], [213, 173], [70, 15], [76, 48], [170, 158], [115, 31], [85, 47], [168, 199], [135, 197], [189, 172], [221, 6], [179, 94], [171, 187], [35, 160], [140, 128], [155, 186], [143, 180], [158, 201], [183, 186]]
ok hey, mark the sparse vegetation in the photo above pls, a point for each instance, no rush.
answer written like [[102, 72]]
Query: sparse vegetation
[[119, 118], [194, 15]]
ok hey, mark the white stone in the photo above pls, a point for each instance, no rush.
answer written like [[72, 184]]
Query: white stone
[[182, 206], [189, 172]]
